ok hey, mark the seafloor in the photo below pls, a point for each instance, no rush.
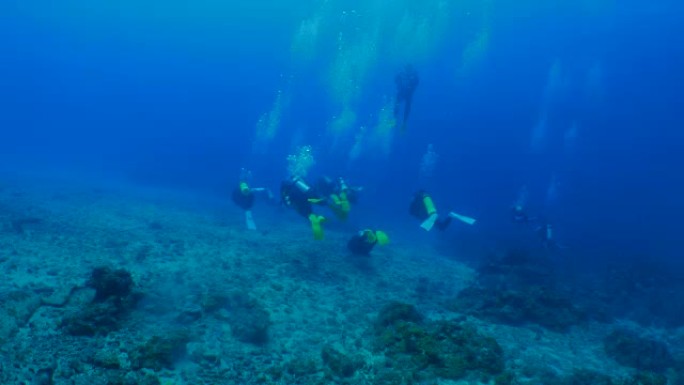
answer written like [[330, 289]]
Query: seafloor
[[106, 285]]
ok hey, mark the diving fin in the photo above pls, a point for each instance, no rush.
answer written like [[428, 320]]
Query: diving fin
[[381, 238], [430, 222], [463, 218], [316, 227], [249, 220]]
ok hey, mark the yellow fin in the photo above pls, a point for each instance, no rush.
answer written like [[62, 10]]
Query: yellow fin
[[316, 227], [382, 238]]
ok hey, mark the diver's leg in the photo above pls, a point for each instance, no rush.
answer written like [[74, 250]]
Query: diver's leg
[[443, 223], [397, 106]]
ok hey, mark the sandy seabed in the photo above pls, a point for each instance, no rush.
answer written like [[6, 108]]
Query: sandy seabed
[[186, 253]]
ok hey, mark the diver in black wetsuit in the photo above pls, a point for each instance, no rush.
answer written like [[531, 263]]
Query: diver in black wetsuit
[[518, 215], [423, 208], [297, 194], [406, 81], [365, 240], [546, 235], [243, 196]]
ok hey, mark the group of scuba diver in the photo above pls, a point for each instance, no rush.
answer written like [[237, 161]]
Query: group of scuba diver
[[541, 227], [336, 195], [297, 194]]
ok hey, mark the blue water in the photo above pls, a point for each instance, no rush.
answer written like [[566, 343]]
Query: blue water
[[169, 93]]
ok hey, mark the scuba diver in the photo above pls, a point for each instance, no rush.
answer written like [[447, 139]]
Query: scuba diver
[[363, 241], [423, 208], [297, 194], [547, 236], [518, 215], [243, 196], [406, 81], [338, 195]]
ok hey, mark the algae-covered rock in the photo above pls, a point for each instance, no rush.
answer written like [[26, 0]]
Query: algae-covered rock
[[339, 364], [149, 379], [213, 301], [16, 308], [591, 377], [301, 367], [414, 341], [93, 319], [646, 378], [397, 311], [110, 283], [444, 349], [114, 299], [641, 289], [43, 377], [505, 378], [160, 351], [533, 304], [464, 349], [629, 349], [249, 321], [113, 377], [586, 377], [518, 289], [107, 358], [399, 376]]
